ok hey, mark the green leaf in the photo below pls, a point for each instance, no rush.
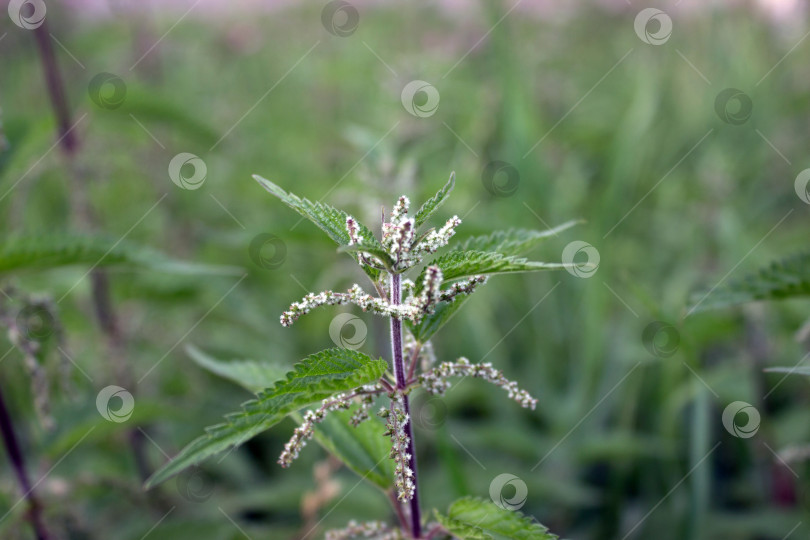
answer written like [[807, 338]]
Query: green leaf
[[327, 218], [513, 241], [790, 370], [21, 253], [364, 449], [315, 378], [461, 530], [476, 519], [432, 322], [462, 264], [788, 278], [250, 374], [366, 247], [432, 204]]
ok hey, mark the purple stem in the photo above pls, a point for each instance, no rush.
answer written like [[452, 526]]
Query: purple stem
[[56, 90], [15, 455], [102, 301], [399, 372]]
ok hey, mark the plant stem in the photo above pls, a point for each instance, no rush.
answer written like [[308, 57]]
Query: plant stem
[[15, 455], [82, 213], [399, 372], [56, 90]]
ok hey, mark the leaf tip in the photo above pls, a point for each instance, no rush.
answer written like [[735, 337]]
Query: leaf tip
[[265, 183]]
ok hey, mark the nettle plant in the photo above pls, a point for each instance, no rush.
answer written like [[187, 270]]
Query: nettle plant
[[350, 385]]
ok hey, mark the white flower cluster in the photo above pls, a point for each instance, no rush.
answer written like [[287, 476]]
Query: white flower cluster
[[376, 530], [396, 422], [356, 295], [432, 293], [361, 414], [466, 286], [400, 240], [437, 239], [352, 228], [399, 234], [431, 288], [305, 431], [405, 250], [435, 381]]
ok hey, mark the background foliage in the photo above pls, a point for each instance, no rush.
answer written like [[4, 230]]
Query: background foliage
[[624, 442]]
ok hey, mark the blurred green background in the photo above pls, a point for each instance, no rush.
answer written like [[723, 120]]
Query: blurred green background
[[592, 122]]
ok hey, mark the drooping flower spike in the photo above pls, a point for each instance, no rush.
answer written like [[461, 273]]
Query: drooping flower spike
[[306, 430], [435, 381]]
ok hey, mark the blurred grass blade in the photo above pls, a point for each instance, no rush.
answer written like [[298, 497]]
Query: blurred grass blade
[[26, 253], [787, 278], [790, 370], [317, 377], [433, 204], [148, 108]]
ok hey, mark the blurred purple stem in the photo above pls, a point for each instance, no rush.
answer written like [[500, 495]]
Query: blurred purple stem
[[15, 455], [102, 301], [399, 372]]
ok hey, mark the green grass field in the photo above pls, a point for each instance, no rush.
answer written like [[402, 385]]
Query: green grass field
[[680, 191]]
